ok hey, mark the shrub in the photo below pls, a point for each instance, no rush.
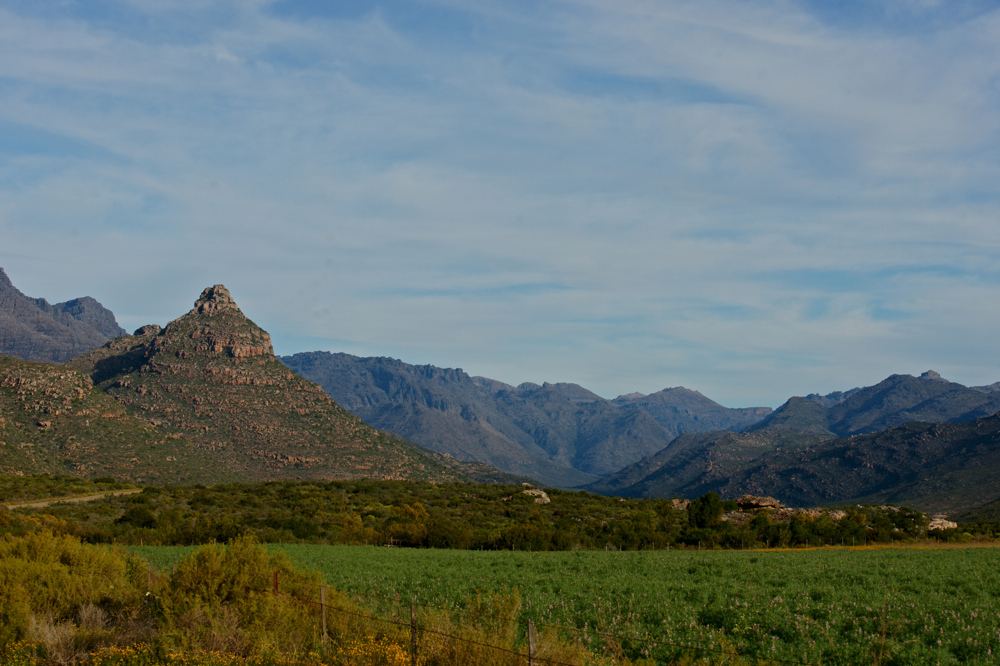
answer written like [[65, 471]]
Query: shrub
[[221, 598], [68, 596]]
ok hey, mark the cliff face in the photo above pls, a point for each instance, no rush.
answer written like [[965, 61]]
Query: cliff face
[[211, 376], [34, 330]]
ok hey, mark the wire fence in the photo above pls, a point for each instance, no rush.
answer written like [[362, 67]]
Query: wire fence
[[418, 630]]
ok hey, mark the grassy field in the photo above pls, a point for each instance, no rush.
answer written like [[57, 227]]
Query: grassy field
[[830, 606]]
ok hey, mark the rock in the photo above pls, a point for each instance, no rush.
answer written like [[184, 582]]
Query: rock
[[939, 522], [680, 504], [540, 495], [752, 503]]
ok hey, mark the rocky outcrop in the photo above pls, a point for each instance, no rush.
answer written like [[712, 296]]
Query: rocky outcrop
[[752, 503], [211, 377], [541, 497]]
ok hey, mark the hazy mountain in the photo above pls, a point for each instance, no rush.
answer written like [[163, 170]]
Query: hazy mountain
[[795, 454], [561, 434], [33, 330], [896, 400], [680, 410], [211, 377]]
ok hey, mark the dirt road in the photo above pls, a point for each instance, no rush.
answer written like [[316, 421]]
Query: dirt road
[[82, 498]]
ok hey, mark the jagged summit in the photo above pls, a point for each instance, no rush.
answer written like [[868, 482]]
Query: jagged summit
[[211, 377], [214, 300]]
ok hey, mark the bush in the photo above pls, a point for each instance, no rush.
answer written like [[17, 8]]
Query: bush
[[68, 596], [221, 598]]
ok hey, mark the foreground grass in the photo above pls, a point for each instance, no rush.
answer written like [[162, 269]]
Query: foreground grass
[[830, 606]]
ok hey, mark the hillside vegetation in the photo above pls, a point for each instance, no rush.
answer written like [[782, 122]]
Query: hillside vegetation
[[465, 516]]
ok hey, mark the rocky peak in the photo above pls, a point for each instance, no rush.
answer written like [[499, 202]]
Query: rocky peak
[[214, 300], [930, 374]]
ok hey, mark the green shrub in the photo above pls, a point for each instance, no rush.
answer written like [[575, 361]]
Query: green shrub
[[68, 596], [221, 598]]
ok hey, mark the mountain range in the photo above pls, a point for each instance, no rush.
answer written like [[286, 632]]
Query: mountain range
[[205, 399], [921, 440], [34, 330], [561, 434]]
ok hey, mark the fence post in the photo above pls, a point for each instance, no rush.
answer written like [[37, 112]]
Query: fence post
[[531, 643], [322, 604], [413, 635], [275, 583]]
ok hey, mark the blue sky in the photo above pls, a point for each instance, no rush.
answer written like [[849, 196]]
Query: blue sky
[[752, 199]]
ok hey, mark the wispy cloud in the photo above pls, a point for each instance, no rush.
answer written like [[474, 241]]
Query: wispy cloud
[[750, 199]]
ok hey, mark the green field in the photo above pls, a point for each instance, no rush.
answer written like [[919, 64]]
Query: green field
[[829, 606]]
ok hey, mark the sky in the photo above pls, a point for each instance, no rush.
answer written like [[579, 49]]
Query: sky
[[753, 199]]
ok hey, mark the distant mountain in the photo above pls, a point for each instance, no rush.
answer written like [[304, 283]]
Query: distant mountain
[[694, 464], [211, 378], [806, 453], [561, 434], [680, 410], [33, 330], [894, 401], [945, 467]]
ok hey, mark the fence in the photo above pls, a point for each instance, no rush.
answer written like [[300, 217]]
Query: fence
[[418, 632]]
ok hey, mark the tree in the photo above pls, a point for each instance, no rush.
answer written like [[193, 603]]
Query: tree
[[705, 511]]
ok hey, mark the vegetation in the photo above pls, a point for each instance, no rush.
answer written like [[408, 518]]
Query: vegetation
[[65, 602], [458, 516], [48, 486]]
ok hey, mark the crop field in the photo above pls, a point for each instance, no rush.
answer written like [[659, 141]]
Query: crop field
[[829, 606]]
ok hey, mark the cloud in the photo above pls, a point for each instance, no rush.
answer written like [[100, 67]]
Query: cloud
[[752, 200]]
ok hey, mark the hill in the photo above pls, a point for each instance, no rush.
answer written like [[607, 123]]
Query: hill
[[211, 378], [33, 330], [935, 467], [561, 434], [53, 420]]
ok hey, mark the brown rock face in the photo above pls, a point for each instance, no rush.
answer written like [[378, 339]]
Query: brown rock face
[[211, 376]]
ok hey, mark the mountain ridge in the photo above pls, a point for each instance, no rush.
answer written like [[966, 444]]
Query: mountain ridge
[[560, 433], [32, 329]]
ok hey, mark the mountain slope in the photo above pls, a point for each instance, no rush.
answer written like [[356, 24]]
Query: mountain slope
[[211, 377], [680, 410], [694, 464], [53, 420], [561, 434], [929, 466], [33, 330]]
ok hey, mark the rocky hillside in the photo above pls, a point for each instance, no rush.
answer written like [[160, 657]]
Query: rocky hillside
[[946, 467], [33, 330], [53, 420], [211, 378], [561, 434], [941, 460]]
